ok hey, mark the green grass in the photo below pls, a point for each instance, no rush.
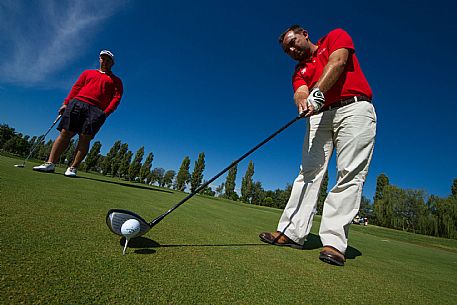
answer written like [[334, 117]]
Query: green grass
[[56, 249]]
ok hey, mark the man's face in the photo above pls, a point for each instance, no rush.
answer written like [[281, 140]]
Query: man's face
[[105, 63], [296, 45]]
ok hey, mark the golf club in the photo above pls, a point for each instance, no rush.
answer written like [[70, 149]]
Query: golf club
[[38, 141], [115, 218]]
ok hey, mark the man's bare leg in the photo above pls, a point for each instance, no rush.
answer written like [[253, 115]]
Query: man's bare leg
[[81, 149], [60, 145]]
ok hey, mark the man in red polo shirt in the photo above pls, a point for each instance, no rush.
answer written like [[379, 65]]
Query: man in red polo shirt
[[330, 88], [94, 96]]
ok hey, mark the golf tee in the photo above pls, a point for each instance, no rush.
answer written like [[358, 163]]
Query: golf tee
[[125, 247]]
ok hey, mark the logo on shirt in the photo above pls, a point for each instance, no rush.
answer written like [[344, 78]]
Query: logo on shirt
[[303, 71], [321, 51]]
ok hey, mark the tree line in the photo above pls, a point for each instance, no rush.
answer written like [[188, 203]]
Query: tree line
[[120, 162], [411, 210], [392, 207]]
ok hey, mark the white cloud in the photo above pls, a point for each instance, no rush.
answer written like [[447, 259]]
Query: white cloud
[[38, 38]]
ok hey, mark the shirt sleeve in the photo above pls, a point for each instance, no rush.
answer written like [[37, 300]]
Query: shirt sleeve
[[76, 88], [297, 80], [339, 39], [118, 91]]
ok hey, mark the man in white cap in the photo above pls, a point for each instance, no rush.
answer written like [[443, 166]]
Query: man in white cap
[[94, 96]]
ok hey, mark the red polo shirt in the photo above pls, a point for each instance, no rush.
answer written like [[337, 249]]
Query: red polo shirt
[[351, 83], [94, 87]]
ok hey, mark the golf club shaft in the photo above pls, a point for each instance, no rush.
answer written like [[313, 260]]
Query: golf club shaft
[[42, 137], [200, 188]]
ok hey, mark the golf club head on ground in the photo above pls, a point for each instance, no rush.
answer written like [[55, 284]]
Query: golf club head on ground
[[115, 218]]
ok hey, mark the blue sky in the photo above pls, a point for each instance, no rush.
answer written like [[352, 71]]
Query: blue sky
[[209, 76]]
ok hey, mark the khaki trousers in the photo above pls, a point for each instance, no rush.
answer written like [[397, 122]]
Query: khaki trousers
[[351, 131]]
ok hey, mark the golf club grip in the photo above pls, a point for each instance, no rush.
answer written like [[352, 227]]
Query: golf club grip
[[201, 187], [56, 120]]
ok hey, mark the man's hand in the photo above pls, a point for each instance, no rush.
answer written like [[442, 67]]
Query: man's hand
[[62, 109], [315, 100], [302, 107], [300, 96]]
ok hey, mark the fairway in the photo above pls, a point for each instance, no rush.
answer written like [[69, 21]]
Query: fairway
[[56, 249]]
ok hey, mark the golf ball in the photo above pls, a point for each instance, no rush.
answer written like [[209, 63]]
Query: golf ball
[[130, 228]]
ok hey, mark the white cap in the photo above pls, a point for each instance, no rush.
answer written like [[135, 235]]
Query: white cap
[[106, 52]]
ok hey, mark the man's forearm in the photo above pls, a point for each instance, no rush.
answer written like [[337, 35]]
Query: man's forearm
[[300, 95], [329, 77], [333, 70]]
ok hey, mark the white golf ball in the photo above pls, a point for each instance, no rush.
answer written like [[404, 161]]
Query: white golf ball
[[130, 228]]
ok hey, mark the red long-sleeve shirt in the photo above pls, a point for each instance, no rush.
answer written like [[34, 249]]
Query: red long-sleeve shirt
[[103, 90]]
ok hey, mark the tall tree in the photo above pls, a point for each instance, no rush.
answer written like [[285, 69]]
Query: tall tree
[[197, 175], [125, 164], [168, 178], [183, 176], [381, 182], [322, 193], [98, 165], [157, 175], [92, 156], [444, 214], [246, 184], [454, 188], [230, 182], [257, 193], [145, 170], [117, 160], [135, 166], [220, 189], [107, 162]]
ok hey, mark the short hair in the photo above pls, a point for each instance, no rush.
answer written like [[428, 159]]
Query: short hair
[[295, 28]]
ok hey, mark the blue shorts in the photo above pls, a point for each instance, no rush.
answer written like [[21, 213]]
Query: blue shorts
[[82, 118]]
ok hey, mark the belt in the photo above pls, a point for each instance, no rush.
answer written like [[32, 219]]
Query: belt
[[346, 102]]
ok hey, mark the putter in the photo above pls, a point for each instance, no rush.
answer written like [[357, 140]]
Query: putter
[[116, 217], [39, 139]]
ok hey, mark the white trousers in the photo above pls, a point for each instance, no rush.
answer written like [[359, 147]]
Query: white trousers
[[351, 131]]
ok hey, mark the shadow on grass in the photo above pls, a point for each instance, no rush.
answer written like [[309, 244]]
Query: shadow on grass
[[139, 186], [145, 245], [352, 253], [314, 242]]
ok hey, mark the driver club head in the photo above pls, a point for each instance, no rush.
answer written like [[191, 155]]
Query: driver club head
[[115, 218], [19, 165]]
